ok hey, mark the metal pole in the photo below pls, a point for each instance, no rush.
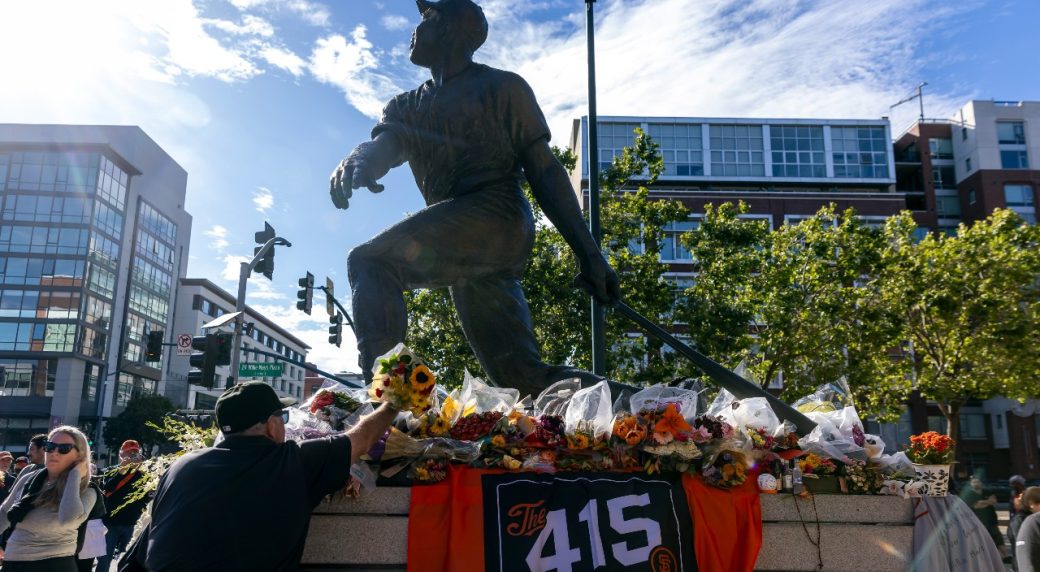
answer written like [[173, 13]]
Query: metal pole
[[240, 307], [240, 303], [920, 99], [599, 364]]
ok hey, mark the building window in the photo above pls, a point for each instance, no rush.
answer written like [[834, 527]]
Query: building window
[[1019, 198], [612, 138], [967, 164], [944, 178], [797, 151], [1011, 133], [859, 152], [971, 197], [973, 426], [941, 147], [964, 133], [671, 249], [1014, 159], [680, 148], [948, 206], [736, 151]]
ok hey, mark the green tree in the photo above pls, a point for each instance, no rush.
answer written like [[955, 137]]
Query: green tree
[[802, 300], [133, 422], [971, 309], [560, 312]]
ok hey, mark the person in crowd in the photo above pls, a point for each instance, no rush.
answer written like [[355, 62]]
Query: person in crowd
[[90, 542], [19, 464], [214, 505], [983, 504], [6, 476], [122, 516], [47, 506], [1020, 505], [1017, 484], [35, 453], [1027, 540]]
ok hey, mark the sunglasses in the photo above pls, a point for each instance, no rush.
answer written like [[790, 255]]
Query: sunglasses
[[63, 448], [283, 413]]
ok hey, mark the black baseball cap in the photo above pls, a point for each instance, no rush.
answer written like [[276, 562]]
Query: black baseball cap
[[467, 15], [247, 404]]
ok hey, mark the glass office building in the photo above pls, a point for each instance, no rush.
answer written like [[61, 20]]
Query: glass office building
[[93, 238]]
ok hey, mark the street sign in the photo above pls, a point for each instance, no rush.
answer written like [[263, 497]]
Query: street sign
[[184, 344], [260, 369]]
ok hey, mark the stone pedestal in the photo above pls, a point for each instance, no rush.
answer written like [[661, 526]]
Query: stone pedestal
[[863, 533]]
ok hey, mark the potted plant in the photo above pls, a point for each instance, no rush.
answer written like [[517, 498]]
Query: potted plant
[[932, 455], [819, 475]]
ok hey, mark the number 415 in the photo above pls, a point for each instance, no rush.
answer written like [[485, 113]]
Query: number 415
[[564, 556]]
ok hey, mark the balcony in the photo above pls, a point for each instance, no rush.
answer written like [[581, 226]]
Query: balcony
[[907, 156]]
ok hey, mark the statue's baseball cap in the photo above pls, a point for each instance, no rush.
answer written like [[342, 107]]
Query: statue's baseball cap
[[468, 17], [246, 404]]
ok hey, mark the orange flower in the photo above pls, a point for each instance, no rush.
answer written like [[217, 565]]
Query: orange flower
[[671, 421]]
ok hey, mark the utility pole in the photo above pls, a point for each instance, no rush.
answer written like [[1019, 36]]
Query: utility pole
[[919, 96], [599, 364]]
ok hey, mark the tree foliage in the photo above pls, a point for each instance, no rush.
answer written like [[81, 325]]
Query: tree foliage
[[970, 306], [136, 422]]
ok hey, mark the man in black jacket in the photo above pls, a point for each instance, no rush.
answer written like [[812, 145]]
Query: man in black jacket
[[217, 508]]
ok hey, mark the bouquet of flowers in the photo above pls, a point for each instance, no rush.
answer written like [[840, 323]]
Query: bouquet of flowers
[[863, 477], [402, 380], [629, 429], [548, 432], [813, 464], [727, 469], [930, 448], [333, 407]]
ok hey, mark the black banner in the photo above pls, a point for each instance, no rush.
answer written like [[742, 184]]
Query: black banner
[[584, 522]]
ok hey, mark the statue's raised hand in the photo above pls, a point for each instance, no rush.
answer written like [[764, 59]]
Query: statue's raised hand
[[362, 168]]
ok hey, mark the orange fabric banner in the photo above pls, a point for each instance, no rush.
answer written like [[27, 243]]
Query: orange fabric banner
[[446, 523], [727, 524]]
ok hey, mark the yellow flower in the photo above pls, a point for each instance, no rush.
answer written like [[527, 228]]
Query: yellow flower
[[510, 463], [439, 426], [422, 474], [578, 441], [499, 440], [421, 378]]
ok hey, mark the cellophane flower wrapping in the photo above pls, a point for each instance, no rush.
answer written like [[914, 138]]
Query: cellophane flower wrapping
[[401, 379]]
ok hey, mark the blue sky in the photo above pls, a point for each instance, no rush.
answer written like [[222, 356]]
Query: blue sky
[[259, 99]]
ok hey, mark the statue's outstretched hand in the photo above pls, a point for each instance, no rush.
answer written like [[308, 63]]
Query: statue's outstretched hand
[[599, 279], [354, 172]]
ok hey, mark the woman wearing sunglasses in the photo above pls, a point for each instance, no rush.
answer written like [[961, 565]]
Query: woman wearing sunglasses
[[47, 506]]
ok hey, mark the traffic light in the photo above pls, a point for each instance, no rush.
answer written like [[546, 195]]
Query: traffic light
[[225, 341], [330, 306], [305, 296], [153, 351], [336, 329], [265, 265], [205, 362]]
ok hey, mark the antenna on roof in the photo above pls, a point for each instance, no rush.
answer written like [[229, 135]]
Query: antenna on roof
[[918, 96]]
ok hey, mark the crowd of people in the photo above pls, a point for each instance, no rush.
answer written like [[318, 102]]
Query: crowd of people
[[57, 515]]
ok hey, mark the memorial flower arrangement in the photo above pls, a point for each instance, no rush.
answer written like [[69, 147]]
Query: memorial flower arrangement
[[333, 407], [863, 477], [727, 469], [930, 448], [403, 381], [813, 464]]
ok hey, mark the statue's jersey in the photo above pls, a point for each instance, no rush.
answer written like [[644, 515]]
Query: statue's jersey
[[468, 134]]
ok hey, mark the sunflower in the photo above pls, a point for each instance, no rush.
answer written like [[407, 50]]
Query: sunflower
[[578, 441], [439, 427], [421, 378], [499, 440]]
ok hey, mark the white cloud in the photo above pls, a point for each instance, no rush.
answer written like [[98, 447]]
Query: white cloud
[[395, 22], [353, 66], [731, 58], [232, 269], [284, 59], [218, 234], [263, 198], [313, 330], [250, 26], [311, 12]]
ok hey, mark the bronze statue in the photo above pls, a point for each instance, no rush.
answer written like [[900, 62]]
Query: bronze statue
[[469, 135]]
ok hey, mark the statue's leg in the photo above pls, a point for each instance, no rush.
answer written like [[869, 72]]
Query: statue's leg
[[497, 322], [377, 300]]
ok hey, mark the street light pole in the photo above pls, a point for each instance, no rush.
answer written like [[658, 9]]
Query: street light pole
[[599, 365], [240, 303]]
